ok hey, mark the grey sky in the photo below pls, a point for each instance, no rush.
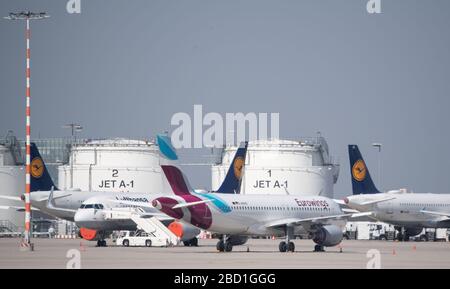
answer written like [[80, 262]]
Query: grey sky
[[123, 68]]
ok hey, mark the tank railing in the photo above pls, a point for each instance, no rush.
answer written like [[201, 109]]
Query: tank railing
[[302, 141], [332, 160], [13, 144], [119, 142]]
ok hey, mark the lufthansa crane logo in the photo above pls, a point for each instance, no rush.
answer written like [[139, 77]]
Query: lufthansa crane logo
[[359, 170], [238, 165], [37, 167]]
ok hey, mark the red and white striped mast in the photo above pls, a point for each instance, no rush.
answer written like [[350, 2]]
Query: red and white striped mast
[[27, 16]]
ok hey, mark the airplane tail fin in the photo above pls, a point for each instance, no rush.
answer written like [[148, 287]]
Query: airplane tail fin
[[361, 181], [177, 180], [232, 182], [40, 179]]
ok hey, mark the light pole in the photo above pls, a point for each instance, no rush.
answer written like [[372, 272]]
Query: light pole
[[378, 145], [27, 16], [74, 128]]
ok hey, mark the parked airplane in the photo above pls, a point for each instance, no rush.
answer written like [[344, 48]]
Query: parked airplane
[[409, 212], [96, 212], [252, 215]]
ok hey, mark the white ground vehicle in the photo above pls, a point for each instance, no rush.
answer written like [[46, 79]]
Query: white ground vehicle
[[140, 238]]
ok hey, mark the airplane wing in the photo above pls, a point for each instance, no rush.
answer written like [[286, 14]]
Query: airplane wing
[[434, 213], [315, 220], [17, 208], [11, 198], [53, 208]]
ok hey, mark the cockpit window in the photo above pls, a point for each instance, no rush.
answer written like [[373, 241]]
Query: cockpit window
[[92, 206]]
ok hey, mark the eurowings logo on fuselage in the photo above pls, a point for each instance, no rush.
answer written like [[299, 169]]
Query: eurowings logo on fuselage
[[219, 203]]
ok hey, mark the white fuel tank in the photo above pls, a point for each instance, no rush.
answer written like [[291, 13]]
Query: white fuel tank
[[301, 167], [116, 165], [12, 183]]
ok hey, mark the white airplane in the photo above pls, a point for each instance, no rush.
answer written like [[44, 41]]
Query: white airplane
[[94, 214], [409, 212], [252, 215]]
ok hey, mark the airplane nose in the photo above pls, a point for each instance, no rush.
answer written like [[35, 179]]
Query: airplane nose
[[79, 216], [83, 217]]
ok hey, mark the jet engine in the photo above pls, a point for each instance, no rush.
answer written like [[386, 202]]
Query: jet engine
[[328, 236], [184, 231]]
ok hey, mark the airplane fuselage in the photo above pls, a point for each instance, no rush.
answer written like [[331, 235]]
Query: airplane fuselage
[[406, 209], [252, 214], [72, 200]]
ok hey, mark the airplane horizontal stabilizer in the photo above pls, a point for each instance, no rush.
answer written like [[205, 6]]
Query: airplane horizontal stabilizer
[[11, 198], [184, 205], [17, 208], [372, 202]]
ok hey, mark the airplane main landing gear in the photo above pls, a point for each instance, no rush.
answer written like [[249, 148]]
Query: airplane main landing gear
[[220, 246], [286, 247], [228, 247], [224, 245], [291, 247], [319, 248]]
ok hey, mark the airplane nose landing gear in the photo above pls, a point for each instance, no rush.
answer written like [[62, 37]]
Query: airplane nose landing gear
[[101, 243], [287, 246]]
